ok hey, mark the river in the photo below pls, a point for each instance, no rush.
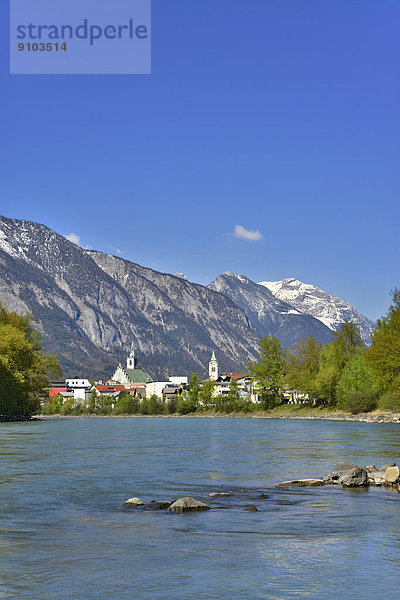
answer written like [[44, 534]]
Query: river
[[65, 536]]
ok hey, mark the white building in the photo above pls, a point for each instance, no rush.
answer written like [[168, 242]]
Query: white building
[[155, 388], [213, 368], [79, 387], [179, 380]]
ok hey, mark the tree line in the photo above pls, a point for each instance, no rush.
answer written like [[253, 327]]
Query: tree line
[[344, 374]]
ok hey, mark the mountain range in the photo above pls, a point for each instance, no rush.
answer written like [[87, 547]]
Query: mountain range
[[89, 306]]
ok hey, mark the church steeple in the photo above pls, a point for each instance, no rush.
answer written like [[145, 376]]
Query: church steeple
[[213, 368], [130, 363]]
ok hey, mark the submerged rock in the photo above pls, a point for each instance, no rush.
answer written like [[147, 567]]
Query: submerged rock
[[187, 504], [301, 483], [357, 477], [133, 503], [157, 505]]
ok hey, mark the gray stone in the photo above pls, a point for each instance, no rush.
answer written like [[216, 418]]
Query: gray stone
[[356, 477], [187, 504], [301, 483], [133, 503], [392, 475], [371, 468], [251, 508], [338, 472], [376, 478]]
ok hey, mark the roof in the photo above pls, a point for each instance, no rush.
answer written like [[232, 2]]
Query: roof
[[236, 375], [138, 376], [110, 388], [213, 359]]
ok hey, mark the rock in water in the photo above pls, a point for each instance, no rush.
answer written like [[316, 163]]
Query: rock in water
[[357, 477], [301, 483], [187, 504], [133, 503], [338, 472], [376, 477], [392, 475]]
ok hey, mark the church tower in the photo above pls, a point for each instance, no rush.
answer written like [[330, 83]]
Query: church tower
[[130, 362], [213, 368]]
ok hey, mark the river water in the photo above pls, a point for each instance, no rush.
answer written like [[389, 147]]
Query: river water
[[64, 534]]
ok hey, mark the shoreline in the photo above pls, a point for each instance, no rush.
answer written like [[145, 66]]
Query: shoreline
[[312, 414]]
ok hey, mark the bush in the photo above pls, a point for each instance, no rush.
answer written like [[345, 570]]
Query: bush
[[390, 401], [364, 400]]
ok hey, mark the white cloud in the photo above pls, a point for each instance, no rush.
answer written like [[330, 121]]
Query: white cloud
[[252, 236], [117, 251], [72, 237]]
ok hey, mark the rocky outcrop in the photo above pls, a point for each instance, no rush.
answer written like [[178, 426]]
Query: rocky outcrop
[[349, 475], [187, 504]]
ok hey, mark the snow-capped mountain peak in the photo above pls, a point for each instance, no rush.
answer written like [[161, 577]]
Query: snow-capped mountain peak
[[311, 300]]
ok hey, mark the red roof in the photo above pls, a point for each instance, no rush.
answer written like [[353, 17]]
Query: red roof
[[237, 375], [54, 391], [110, 388]]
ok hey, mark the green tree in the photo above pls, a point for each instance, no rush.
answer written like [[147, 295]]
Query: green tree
[[384, 353], [234, 396], [24, 367], [193, 390], [302, 366], [356, 390], [334, 357], [206, 394], [268, 373]]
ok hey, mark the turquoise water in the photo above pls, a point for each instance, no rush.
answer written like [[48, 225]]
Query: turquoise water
[[64, 534]]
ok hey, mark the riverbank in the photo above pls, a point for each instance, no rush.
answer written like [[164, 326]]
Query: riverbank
[[287, 411]]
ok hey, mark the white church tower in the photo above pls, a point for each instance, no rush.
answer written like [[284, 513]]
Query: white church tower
[[130, 361], [213, 368]]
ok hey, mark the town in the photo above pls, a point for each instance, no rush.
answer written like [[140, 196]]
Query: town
[[140, 385]]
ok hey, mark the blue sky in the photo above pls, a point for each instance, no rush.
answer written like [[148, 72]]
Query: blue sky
[[277, 116]]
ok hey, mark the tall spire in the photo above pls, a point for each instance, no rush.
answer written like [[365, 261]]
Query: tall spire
[[213, 367], [131, 360]]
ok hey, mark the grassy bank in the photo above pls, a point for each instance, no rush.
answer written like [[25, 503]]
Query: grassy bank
[[285, 411]]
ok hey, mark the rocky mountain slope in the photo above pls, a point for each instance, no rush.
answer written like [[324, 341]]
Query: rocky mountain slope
[[270, 315], [311, 300], [89, 306]]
